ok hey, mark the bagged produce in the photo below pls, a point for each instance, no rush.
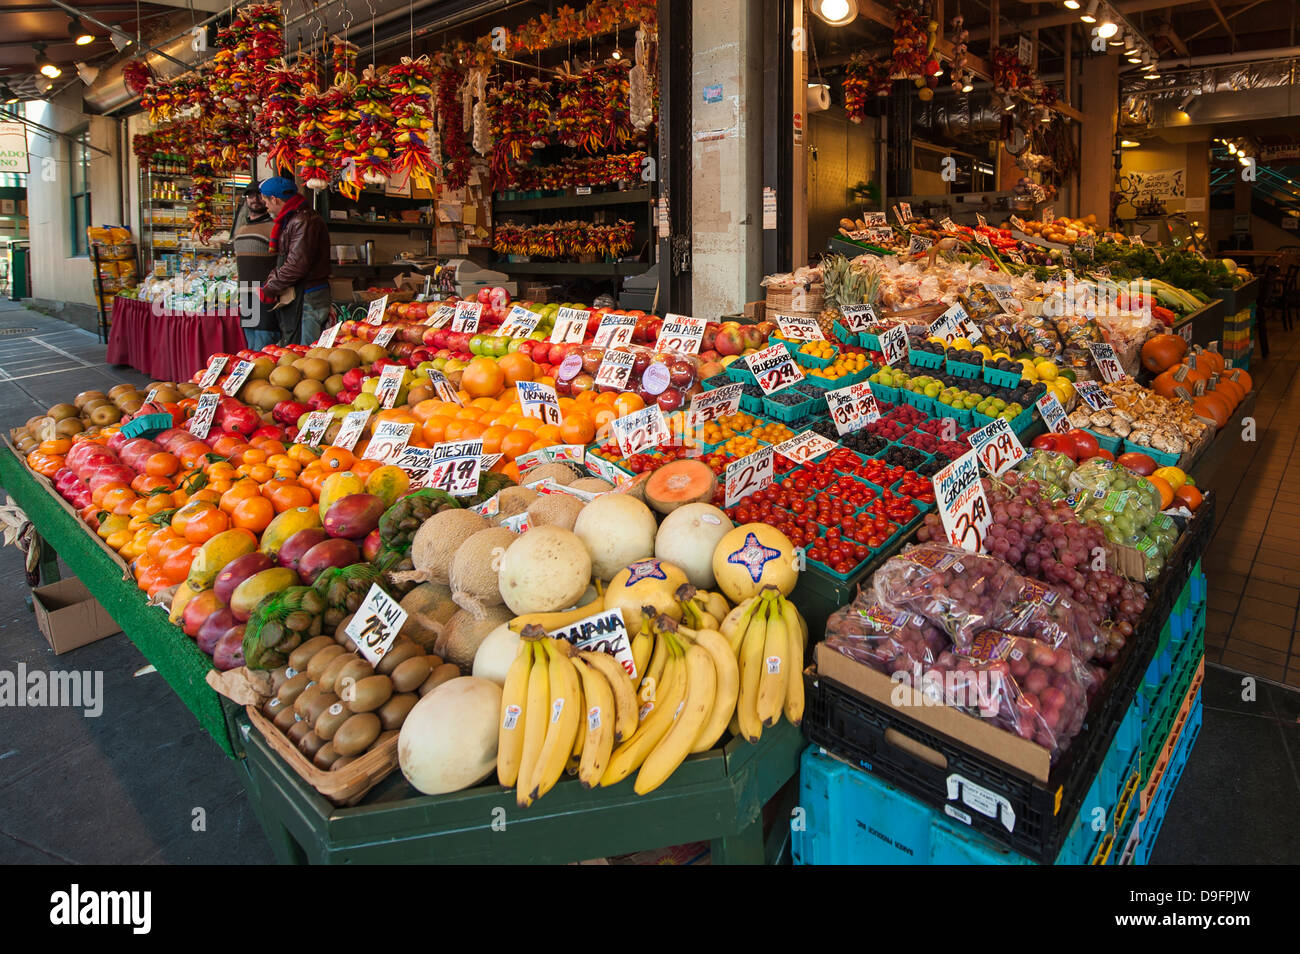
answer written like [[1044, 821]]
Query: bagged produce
[[279, 623], [887, 641], [1051, 469], [1043, 614], [1121, 502], [400, 521]]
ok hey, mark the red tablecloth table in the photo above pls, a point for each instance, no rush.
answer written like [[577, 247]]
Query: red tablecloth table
[[169, 347]]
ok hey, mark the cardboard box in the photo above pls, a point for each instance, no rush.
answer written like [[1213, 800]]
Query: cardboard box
[[756, 310], [970, 731], [69, 616]]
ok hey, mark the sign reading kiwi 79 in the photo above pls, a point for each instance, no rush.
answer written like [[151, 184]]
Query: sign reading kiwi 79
[[680, 334], [774, 368], [456, 466], [375, 625]]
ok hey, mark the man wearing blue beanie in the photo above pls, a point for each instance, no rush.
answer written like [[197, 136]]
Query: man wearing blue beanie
[[301, 243]]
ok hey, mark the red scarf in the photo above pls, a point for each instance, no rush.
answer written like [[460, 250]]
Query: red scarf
[[290, 206]]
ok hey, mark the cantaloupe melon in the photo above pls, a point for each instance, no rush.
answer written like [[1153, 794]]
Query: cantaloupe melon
[[592, 485], [465, 632], [751, 557], [513, 500], [474, 569], [554, 510], [438, 539], [679, 483], [449, 739], [560, 473], [544, 570], [687, 538], [617, 529], [428, 608]]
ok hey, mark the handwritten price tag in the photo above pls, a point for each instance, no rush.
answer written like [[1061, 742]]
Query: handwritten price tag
[[997, 447], [681, 334], [710, 405], [775, 368], [953, 324], [1086, 244], [519, 323], [1053, 415], [354, 422], [858, 317], [385, 335], [800, 328], [237, 377], [948, 225], [442, 387], [314, 429], [615, 369], [539, 401], [201, 422], [981, 221], [641, 429], [614, 330], [852, 408], [876, 219], [1185, 331], [375, 625], [214, 371], [603, 633], [570, 326], [918, 245], [1091, 393], [1049, 214], [805, 447], [962, 505], [329, 335], [467, 316], [390, 383], [905, 211], [416, 461], [375, 310], [894, 345], [439, 317], [1005, 297], [1107, 363], [751, 473], [388, 441], [1017, 223], [456, 467]]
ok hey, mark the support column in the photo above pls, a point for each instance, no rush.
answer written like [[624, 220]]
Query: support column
[[1099, 100]]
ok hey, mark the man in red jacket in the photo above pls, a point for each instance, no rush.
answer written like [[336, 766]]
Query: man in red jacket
[[301, 243]]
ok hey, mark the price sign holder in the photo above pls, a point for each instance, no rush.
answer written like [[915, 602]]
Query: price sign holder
[[963, 508], [1053, 415], [1005, 297], [214, 371], [800, 328], [570, 326], [710, 405], [375, 625], [640, 430], [314, 429], [519, 323], [442, 387], [354, 422], [858, 317], [201, 422], [997, 447], [805, 447], [1107, 363], [751, 473], [602, 633], [375, 310], [1185, 331], [539, 401], [439, 317], [953, 324], [390, 383], [918, 245], [981, 221], [467, 317], [775, 368], [329, 335], [237, 378], [948, 225], [852, 408], [1091, 393], [895, 346], [615, 369], [681, 334], [456, 467], [385, 335], [388, 441], [614, 330]]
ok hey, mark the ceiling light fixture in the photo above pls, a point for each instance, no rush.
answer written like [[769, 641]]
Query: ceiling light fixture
[[87, 73], [1107, 28], [7, 95], [1135, 59], [43, 63], [1245, 160], [120, 43], [967, 86], [1072, 4], [80, 35], [618, 56], [1129, 144], [837, 13], [1090, 14]]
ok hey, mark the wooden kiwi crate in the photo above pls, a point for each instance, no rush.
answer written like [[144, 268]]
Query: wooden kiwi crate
[[781, 299], [343, 788]]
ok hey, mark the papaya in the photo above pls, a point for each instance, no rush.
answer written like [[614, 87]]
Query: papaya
[[111, 525], [183, 595], [389, 483], [286, 525], [250, 592], [337, 486], [213, 556]]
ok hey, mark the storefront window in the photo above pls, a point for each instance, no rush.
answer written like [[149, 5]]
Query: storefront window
[[79, 162]]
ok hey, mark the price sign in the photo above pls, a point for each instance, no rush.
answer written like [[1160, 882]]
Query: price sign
[[981, 221], [1103, 271], [751, 473], [997, 447], [1053, 415], [237, 377], [466, 316], [385, 335], [1086, 244], [879, 236], [876, 220], [895, 346], [1049, 214], [918, 245], [148, 398], [582, 190], [800, 328], [519, 323], [570, 326], [948, 225], [375, 626], [390, 383], [354, 422], [1107, 363], [853, 407], [614, 330], [1136, 240], [1016, 257], [1092, 395], [442, 387], [860, 235], [1017, 223], [313, 431], [214, 371], [641, 429], [615, 369], [1005, 297], [1185, 331], [858, 317], [388, 441], [982, 239], [375, 310], [416, 461], [201, 422], [681, 334], [329, 335], [539, 401], [805, 447], [602, 633], [775, 368], [488, 461], [439, 317], [962, 505], [710, 405], [953, 324], [456, 467], [904, 210]]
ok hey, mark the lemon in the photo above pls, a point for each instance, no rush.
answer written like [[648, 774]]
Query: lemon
[[962, 344], [1027, 369], [1046, 372], [1173, 475], [1066, 390], [984, 350]]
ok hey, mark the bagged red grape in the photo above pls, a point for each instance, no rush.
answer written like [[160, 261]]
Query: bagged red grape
[[887, 640], [1042, 613], [961, 592]]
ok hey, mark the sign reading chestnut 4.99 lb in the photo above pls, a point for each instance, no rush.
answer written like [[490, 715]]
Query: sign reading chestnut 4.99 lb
[[641, 429], [539, 401], [614, 330], [775, 368], [467, 317], [519, 323], [388, 441], [962, 505], [570, 326], [615, 368], [800, 327], [751, 473], [374, 627], [997, 446], [711, 405], [201, 422], [354, 422], [456, 467], [681, 334]]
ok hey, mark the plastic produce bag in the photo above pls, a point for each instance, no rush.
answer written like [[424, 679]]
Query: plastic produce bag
[[400, 521], [344, 589], [1039, 334], [1043, 614], [888, 641], [1052, 469], [1121, 502]]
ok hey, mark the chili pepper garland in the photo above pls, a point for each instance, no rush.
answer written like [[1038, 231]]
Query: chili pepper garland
[[911, 39], [520, 112], [564, 239], [580, 171], [569, 25], [279, 119], [342, 119], [373, 101], [411, 83], [453, 149], [137, 75], [313, 163], [864, 77]]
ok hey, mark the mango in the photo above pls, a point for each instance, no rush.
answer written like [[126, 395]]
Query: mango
[[212, 557], [183, 595], [251, 592], [286, 525], [389, 483], [337, 486], [354, 516]]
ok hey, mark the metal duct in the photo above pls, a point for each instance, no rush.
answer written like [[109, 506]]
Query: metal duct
[[973, 117], [1217, 79], [109, 91]]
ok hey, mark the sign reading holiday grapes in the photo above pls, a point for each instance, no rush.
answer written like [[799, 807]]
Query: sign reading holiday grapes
[[963, 508], [997, 447]]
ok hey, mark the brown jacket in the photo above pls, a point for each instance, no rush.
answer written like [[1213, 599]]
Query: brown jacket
[[304, 253]]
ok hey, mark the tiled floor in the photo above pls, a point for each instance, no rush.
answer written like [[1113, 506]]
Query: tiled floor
[[1253, 563]]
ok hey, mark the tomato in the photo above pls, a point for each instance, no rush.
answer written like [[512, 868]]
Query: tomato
[[1085, 445]]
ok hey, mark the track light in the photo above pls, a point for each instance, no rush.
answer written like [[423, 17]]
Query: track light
[[1072, 4], [44, 65], [1244, 160], [87, 73], [7, 95], [1187, 101], [837, 13], [120, 43], [1135, 59], [617, 55], [1128, 144], [966, 87], [1089, 15], [1107, 28], [80, 35]]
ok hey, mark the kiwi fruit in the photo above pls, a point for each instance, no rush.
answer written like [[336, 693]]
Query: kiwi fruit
[[318, 705], [438, 676], [323, 658], [342, 762], [330, 676], [285, 718], [370, 693], [310, 744], [403, 649], [410, 675], [299, 658], [341, 632], [342, 360], [285, 376], [278, 678], [305, 698], [355, 669], [306, 388], [385, 736], [328, 722], [325, 756], [271, 708], [63, 411], [298, 731], [293, 688], [81, 399], [354, 736], [393, 712]]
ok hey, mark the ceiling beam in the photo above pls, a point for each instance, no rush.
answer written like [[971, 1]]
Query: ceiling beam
[[1126, 7], [1214, 5], [1232, 16]]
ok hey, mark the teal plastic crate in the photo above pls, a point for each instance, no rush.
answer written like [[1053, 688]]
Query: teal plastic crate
[[884, 392], [788, 413], [739, 373], [1023, 421], [1111, 444], [927, 359], [753, 405], [1148, 826], [811, 361], [1001, 379], [844, 335], [717, 381], [869, 340], [960, 369]]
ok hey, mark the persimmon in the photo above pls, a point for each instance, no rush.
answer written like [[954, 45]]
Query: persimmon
[[253, 513], [162, 464], [206, 524]]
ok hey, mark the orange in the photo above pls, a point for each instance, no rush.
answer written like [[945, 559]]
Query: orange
[[157, 539], [176, 567], [145, 485], [207, 494], [434, 428], [97, 495], [541, 443], [258, 472], [336, 458], [455, 430], [205, 525], [187, 512], [256, 455], [253, 513], [468, 413], [628, 403], [577, 428], [516, 443], [1166, 492], [471, 430], [283, 462], [242, 489], [286, 495], [484, 403], [548, 432], [225, 443], [268, 444], [157, 503], [192, 454], [170, 547], [162, 464], [492, 438], [303, 454], [118, 495], [1188, 496], [602, 418], [220, 469], [530, 424], [517, 367], [364, 468], [483, 377], [426, 409], [57, 445], [510, 469]]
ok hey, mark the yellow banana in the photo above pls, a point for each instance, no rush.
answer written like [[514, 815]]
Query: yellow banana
[[751, 665], [793, 705], [733, 725], [701, 684], [536, 715], [803, 624], [579, 737], [572, 764], [627, 758], [728, 688], [510, 737], [718, 606], [654, 671], [775, 666], [643, 645], [737, 621], [599, 721], [552, 621], [565, 713], [624, 693]]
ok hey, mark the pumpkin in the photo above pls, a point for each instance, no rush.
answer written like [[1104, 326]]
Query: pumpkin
[[1243, 378], [1212, 406], [1166, 384], [1212, 360], [1162, 352], [1231, 390], [1192, 374]]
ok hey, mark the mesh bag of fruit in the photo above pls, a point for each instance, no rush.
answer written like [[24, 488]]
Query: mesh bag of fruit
[[1043, 614], [960, 592], [400, 521], [279, 623], [888, 641], [344, 589]]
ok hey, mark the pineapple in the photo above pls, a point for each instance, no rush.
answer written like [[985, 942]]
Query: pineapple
[[845, 285]]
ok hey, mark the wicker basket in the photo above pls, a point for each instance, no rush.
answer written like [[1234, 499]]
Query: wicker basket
[[349, 784], [781, 299]]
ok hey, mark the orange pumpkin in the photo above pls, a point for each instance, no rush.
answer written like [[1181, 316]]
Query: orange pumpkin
[[1212, 406], [1162, 352], [1243, 378], [1211, 360], [1231, 390], [1166, 384]]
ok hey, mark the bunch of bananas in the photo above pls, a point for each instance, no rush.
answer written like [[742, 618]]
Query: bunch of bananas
[[769, 636]]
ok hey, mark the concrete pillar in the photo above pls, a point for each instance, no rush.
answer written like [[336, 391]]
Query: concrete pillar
[[1099, 104], [726, 188]]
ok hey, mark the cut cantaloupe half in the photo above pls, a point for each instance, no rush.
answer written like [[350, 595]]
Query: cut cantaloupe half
[[679, 483]]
